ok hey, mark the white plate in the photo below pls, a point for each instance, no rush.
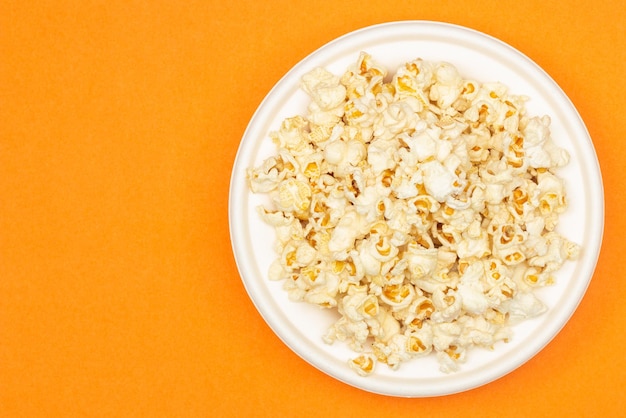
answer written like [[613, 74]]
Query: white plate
[[301, 326]]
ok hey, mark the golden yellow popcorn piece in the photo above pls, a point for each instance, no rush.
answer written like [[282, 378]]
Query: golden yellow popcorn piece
[[363, 364], [398, 295]]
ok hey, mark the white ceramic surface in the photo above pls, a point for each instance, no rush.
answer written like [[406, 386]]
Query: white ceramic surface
[[301, 326]]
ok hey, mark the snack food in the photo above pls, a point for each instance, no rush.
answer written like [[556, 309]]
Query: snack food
[[422, 208]]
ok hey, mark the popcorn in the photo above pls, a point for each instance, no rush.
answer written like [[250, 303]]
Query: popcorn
[[360, 305], [364, 364], [524, 305], [439, 181], [398, 296], [400, 116], [471, 290], [293, 196], [423, 209], [346, 232], [327, 94], [447, 86], [539, 146]]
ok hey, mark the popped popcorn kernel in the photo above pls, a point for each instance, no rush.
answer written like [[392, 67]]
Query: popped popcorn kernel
[[420, 206], [293, 196], [363, 364]]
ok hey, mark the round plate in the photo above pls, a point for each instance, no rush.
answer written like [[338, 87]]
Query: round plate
[[485, 59]]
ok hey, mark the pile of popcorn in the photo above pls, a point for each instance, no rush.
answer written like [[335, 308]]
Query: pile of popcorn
[[421, 207]]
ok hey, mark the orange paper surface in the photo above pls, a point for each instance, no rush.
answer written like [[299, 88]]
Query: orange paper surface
[[119, 125]]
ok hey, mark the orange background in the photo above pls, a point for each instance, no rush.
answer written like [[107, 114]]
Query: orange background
[[119, 124]]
